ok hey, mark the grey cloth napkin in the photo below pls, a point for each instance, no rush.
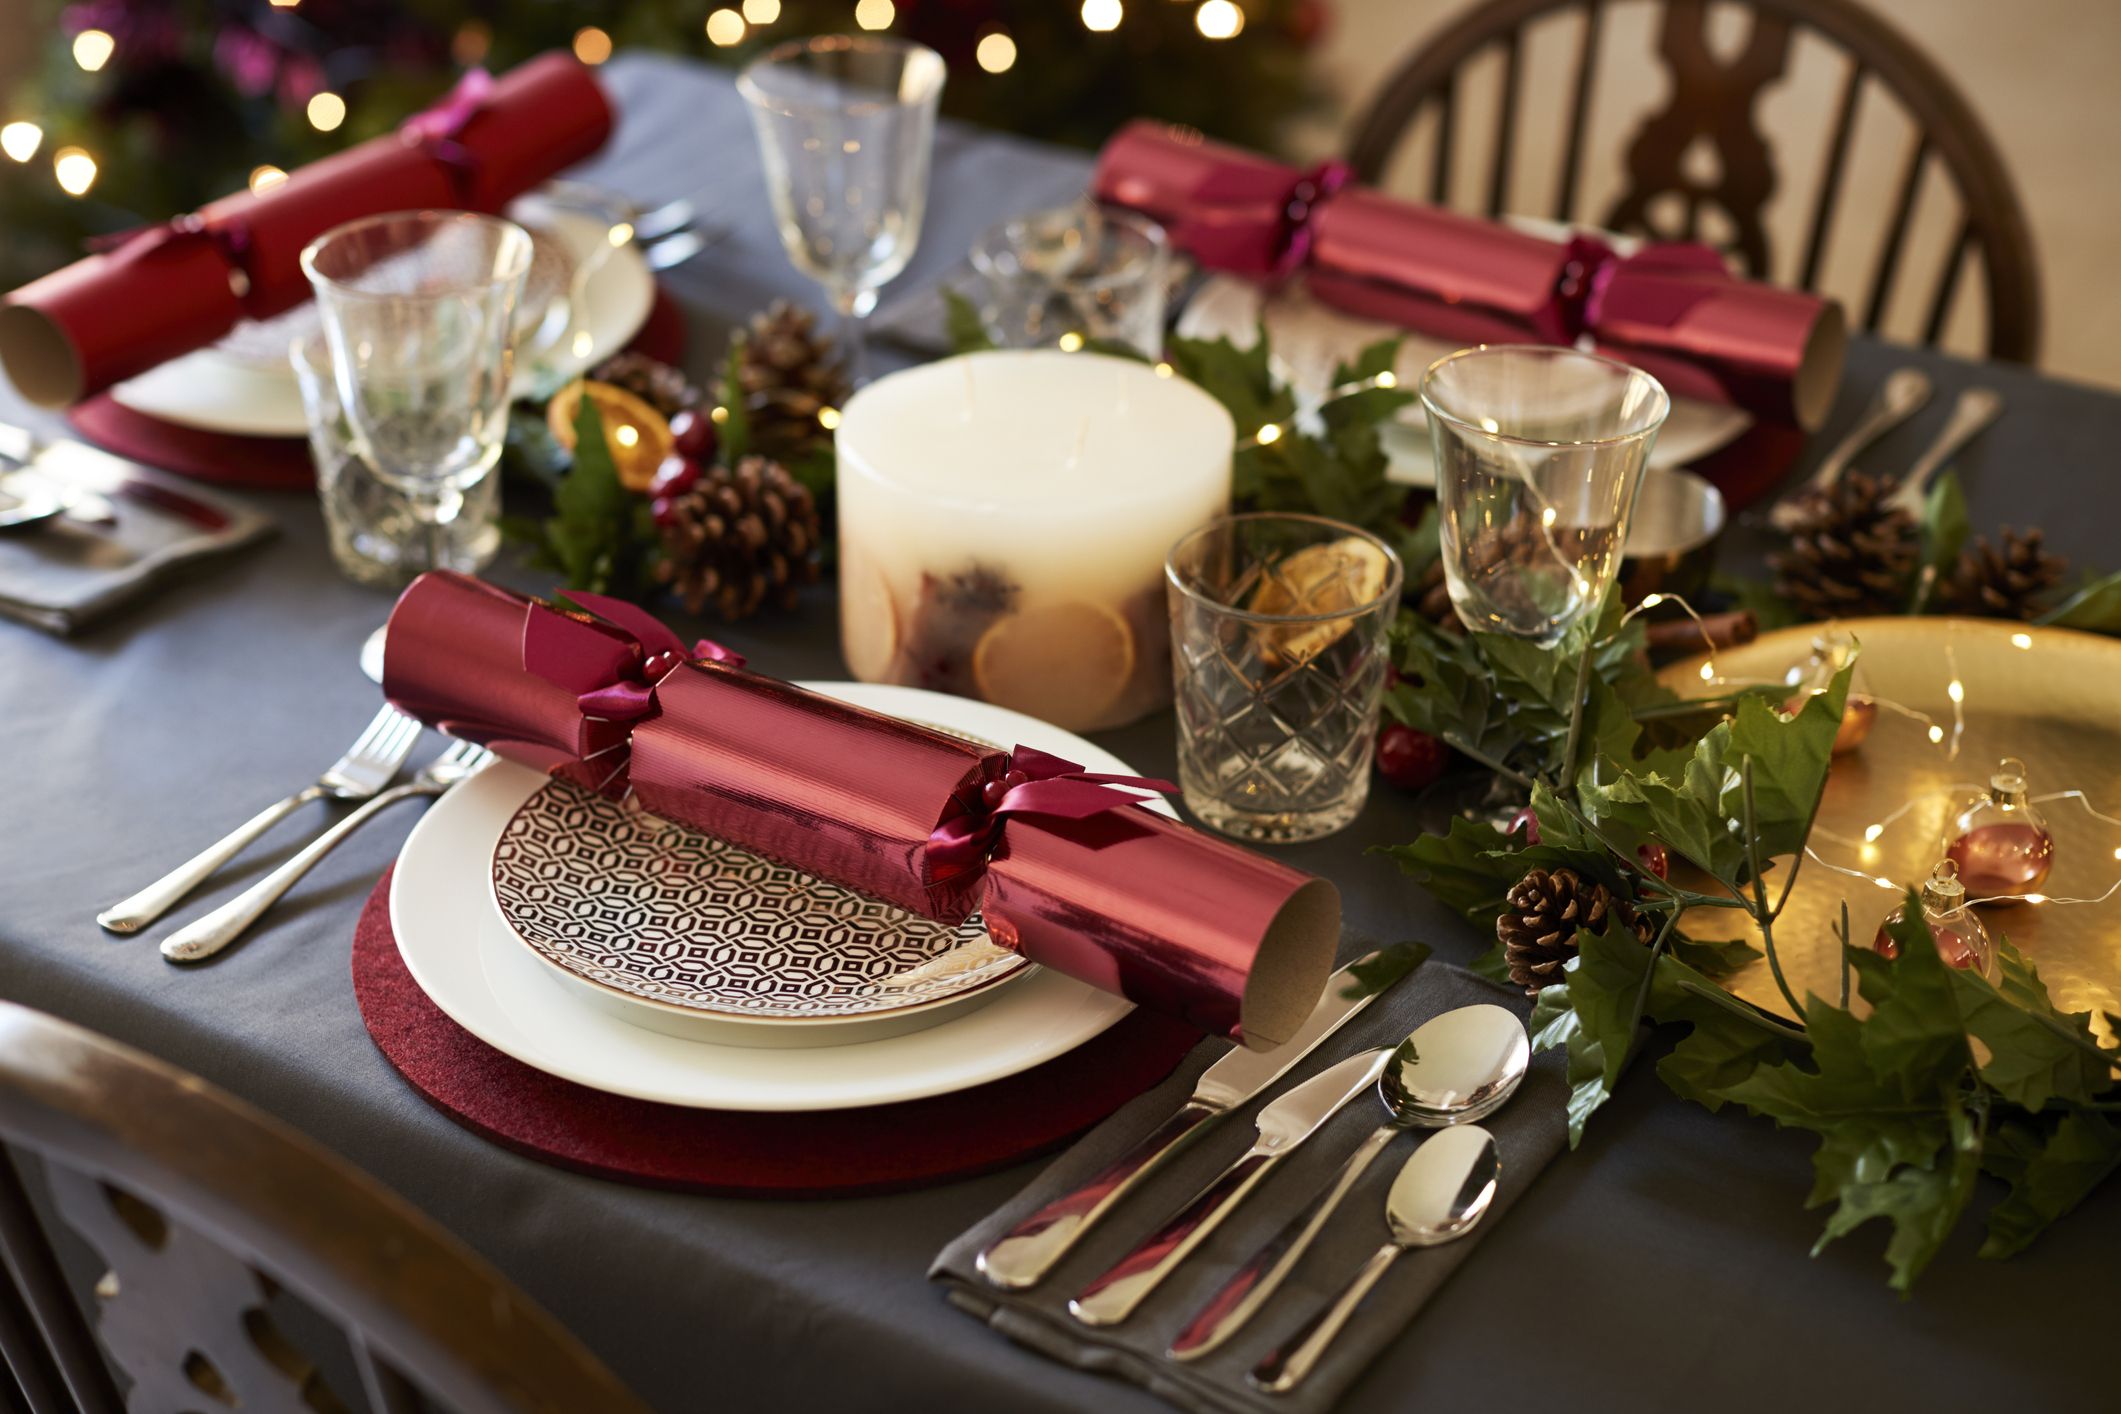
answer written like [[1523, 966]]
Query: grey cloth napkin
[[1529, 1131], [62, 574]]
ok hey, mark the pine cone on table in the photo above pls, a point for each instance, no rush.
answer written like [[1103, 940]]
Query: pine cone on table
[[654, 382], [1537, 928], [2010, 580], [740, 538], [1432, 599], [1851, 552], [788, 373]]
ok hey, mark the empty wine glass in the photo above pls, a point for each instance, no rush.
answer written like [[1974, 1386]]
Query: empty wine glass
[[1539, 451], [418, 309], [1072, 275], [845, 126]]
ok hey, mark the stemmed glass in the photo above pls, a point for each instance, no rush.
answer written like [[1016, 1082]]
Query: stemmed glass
[[418, 308], [845, 126], [1539, 452]]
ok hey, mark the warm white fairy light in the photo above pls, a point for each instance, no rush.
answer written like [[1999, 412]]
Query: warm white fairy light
[[1936, 734], [1102, 16], [996, 53], [1165, 370], [621, 233], [1219, 19], [1268, 435], [592, 45], [264, 178], [74, 169], [828, 418], [327, 110], [724, 28], [1273, 431], [584, 343], [762, 12], [1868, 851], [2021, 640], [627, 435], [93, 48], [875, 14], [1070, 342], [1956, 690], [21, 139]]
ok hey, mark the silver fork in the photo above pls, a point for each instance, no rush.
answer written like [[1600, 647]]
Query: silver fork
[[365, 769], [208, 935]]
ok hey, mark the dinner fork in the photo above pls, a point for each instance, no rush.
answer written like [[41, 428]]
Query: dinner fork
[[365, 769], [206, 936]]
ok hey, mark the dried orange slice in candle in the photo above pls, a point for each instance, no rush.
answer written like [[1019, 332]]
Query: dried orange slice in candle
[[638, 435], [1066, 663], [1336, 576], [869, 633]]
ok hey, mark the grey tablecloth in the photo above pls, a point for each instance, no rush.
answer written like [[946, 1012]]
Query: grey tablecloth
[[1664, 1264], [1529, 1131]]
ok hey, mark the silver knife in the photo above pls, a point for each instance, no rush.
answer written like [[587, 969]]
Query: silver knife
[[1028, 1251], [1283, 1125]]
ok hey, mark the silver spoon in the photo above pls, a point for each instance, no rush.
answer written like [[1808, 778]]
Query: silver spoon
[[1972, 412], [1456, 1068], [1442, 1190]]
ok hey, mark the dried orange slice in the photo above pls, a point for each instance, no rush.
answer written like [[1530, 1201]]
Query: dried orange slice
[[1332, 577], [868, 621], [638, 435], [1067, 663]]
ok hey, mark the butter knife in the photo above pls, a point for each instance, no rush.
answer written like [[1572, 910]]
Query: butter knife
[[1028, 1251], [1283, 1125]]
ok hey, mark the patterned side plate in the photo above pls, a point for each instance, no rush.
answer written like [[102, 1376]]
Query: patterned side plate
[[638, 906]]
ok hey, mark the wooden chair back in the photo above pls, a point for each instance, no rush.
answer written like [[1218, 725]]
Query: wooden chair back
[[1699, 166], [203, 1216]]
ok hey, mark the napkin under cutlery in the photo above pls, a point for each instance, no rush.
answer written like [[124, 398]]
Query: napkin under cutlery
[[1529, 1131], [133, 526]]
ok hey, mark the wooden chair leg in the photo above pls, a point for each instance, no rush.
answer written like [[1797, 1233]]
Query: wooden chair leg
[[41, 1286], [36, 1380]]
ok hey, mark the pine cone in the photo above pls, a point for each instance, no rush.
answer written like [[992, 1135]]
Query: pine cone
[[788, 374], [654, 382], [1851, 552], [1432, 599], [1538, 927], [2008, 581], [739, 539]]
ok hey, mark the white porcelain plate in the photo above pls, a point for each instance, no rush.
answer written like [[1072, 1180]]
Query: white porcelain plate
[[1308, 338], [229, 388], [465, 957]]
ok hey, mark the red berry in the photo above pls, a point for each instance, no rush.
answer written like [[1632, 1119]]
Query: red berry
[[693, 433], [665, 511], [991, 794], [1655, 858], [674, 475], [1410, 759], [1527, 820]]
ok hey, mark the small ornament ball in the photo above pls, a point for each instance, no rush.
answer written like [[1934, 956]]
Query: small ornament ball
[[1410, 759]]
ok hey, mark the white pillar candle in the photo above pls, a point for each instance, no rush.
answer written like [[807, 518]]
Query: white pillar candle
[[1003, 521]]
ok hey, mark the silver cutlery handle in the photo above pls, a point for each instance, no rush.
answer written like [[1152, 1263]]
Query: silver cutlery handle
[[1252, 1285], [1286, 1368], [1113, 1297], [1028, 1251], [132, 914], [1975, 409], [204, 937], [1902, 395]]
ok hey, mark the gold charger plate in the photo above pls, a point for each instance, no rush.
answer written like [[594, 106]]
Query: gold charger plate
[[2051, 697]]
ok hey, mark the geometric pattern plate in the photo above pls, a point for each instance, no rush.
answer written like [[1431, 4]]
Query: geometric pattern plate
[[627, 900]]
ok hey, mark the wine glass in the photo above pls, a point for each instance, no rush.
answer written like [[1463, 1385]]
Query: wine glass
[[1539, 451], [845, 126], [1074, 274], [418, 309]]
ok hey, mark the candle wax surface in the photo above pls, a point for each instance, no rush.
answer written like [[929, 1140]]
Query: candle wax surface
[[1003, 523]]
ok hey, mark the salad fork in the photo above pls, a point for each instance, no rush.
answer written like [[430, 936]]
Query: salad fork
[[365, 769], [206, 936]]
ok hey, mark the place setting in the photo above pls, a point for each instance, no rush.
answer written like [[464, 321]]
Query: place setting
[[1165, 775]]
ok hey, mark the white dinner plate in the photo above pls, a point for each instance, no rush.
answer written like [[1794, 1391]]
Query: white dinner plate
[[1308, 338], [228, 389], [488, 981]]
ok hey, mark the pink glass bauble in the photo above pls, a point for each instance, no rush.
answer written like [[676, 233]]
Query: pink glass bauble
[[1961, 940], [1831, 652], [1998, 840]]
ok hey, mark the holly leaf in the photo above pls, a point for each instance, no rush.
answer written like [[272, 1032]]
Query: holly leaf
[[1383, 969], [2095, 608], [2051, 1165], [600, 537], [1914, 1037], [734, 432], [1770, 610], [1468, 867], [1944, 531], [2032, 1060], [1922, 1201], [962, 324]]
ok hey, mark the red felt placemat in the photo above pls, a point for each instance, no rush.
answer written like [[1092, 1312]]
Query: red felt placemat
[[817, 1153], [279, 463]]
